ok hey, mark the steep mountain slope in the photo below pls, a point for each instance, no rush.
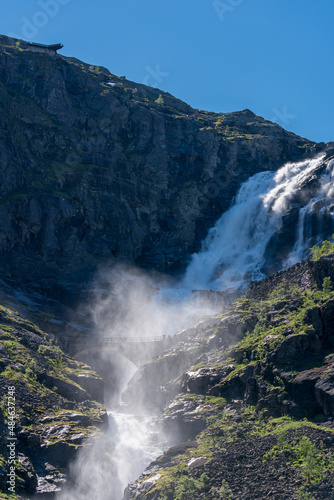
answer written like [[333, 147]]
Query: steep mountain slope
[[95, 168]]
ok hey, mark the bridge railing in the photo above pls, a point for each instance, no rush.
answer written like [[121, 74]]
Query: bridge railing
[[115, 340]]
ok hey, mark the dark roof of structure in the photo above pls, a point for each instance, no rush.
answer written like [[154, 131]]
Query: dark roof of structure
[[55, 46]]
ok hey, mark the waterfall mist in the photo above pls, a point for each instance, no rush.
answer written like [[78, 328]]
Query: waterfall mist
[[132, 305]]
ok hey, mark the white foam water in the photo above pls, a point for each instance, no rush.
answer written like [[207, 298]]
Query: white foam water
[[233, 254], [136, 445], [323, 203]]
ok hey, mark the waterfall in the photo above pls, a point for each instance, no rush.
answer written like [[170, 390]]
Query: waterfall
[[322, 204], [233, 254], [135, 445], [104, 468]]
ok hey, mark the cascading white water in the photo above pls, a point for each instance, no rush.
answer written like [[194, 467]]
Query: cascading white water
[[325, 198], [135, 446], [233, 254], [107, 465], [129, 306]]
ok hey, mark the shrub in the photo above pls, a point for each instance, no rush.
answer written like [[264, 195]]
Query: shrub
[[310, 460], [302, 494], [327, 286], [222, 493], [160, 100], [326, 248]]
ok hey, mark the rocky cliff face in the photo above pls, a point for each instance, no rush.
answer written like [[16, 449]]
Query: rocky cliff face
[[95, 168]]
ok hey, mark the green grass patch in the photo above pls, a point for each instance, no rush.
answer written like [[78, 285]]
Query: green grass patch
[[309, 459]]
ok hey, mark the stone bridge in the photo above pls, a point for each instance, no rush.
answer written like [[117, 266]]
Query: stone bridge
[[136, 349]]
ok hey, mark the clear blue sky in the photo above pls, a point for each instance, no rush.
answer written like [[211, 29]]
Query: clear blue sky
[[274, 57]]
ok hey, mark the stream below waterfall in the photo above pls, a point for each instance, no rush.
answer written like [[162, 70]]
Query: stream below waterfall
[[233, 254], [136, 442]]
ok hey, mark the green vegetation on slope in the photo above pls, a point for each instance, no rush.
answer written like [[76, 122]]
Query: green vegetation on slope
[[326, 248]]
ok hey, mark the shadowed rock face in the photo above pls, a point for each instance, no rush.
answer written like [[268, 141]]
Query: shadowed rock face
[[94, 170]]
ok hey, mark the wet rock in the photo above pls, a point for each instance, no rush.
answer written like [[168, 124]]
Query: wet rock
[[230, 389], [93, 385], [20, 367], [304, 275], [66, 389], [168, 459], [3, 477], [302, 388], [200, 381], [27, 473], [183, 421], [49, 485], [60, 453], [324, 391], [3, 352], [327, 320], [49, 429], [153, 375], [297, 348], [68, 416]]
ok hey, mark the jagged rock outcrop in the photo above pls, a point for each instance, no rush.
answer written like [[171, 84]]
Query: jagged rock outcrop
[[95, 168], [190, 347]]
